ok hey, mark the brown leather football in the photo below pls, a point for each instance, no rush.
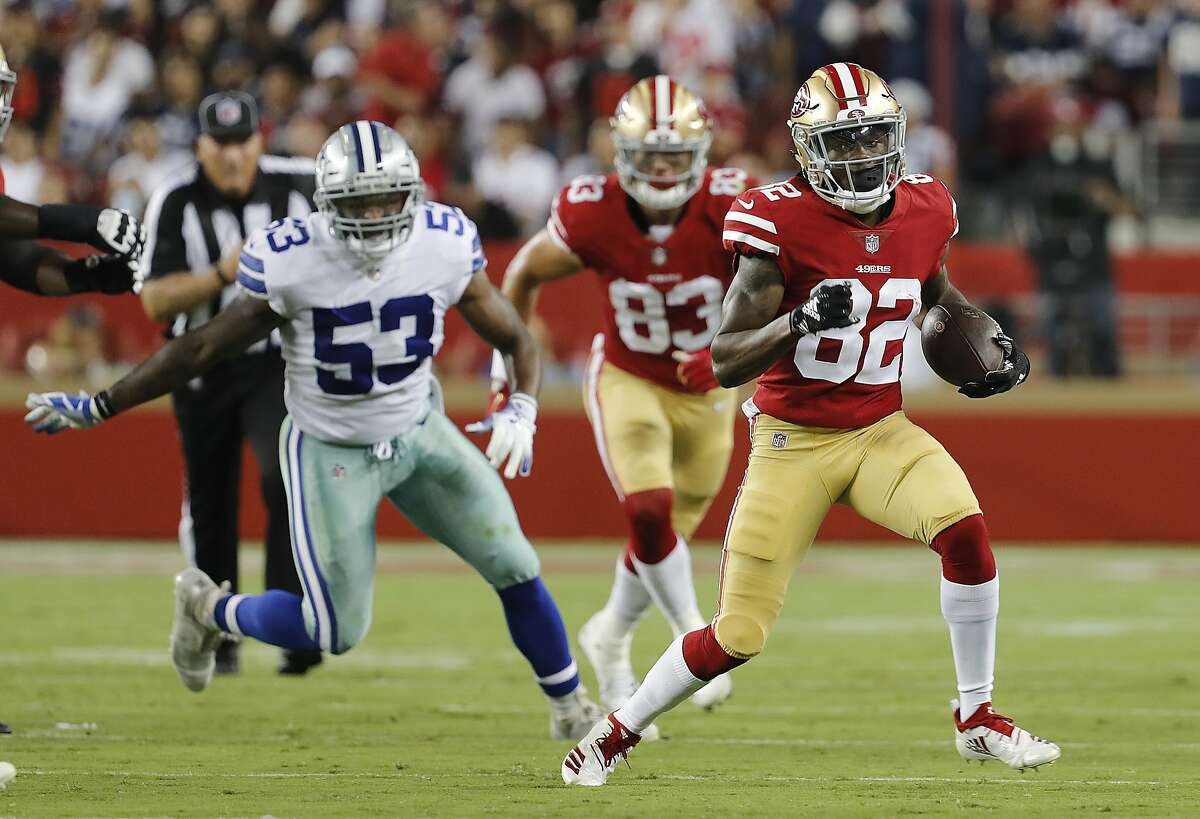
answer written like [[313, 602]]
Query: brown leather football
[[959, 343]]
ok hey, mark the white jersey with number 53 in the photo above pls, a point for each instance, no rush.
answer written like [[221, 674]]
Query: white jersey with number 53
[[358, 347], [662, 293]]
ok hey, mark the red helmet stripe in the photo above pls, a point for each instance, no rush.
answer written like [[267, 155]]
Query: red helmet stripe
[[839, 90], [860, 82]]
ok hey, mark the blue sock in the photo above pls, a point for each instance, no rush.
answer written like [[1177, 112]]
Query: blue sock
[[537, 630], [273, 617]]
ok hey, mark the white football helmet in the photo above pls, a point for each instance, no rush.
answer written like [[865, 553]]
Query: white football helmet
[[849, 134], [8, 85], [659, 116], [369, 187]]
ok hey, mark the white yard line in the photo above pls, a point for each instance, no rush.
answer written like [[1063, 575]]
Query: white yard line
[[1032, 780]]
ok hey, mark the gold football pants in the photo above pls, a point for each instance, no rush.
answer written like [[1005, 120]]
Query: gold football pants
[[892, 473], [651, 437]]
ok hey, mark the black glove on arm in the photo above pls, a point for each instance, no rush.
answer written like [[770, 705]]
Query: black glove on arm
[[100, 274], [1012, 372], [828, 308]]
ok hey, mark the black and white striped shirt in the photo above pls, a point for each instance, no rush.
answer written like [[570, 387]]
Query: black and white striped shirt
[[190, 225]]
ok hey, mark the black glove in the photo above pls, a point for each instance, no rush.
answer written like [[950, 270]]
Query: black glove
[[108, 229], [828, 308], [101, 274], [1012, 372]]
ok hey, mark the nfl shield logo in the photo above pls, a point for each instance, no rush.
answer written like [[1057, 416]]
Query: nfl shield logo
[[228, 112], [338, 471], [871, 242], [779, 440]]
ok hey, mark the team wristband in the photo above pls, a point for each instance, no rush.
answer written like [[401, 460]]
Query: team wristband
[[68, 223], [103, 405]]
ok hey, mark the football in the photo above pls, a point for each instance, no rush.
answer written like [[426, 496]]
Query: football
[[959, 343]]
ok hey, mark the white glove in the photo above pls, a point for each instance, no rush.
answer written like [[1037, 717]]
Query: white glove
[[52, 412], [121, 233], [512, 426]]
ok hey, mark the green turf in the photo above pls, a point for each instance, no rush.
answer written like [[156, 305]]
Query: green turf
[[435, 714]]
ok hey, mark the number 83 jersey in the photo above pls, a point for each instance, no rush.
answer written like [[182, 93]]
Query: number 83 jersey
[[848, 377], [663, 287], [358, 345]]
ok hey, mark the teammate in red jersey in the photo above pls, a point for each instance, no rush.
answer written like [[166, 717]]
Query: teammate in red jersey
[[663, 426], [833, 266], [29, 266]]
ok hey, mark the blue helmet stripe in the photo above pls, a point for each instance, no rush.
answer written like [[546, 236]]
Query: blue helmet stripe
[[375, 138], [357, 147]]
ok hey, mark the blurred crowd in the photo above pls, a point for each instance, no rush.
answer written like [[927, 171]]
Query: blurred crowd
[[505, 99]]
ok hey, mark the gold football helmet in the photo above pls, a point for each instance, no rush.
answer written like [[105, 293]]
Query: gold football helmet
[[661, 133], [849, 136], [8, 85]]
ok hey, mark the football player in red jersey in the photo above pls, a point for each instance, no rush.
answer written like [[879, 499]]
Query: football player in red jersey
[[833, 265], [663, 426], [37, 269]]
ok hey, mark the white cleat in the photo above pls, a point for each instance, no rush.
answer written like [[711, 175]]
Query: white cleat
[[988, 735], [609, 656], [194, 637], [593, 760], [572, 715], [718, 690]]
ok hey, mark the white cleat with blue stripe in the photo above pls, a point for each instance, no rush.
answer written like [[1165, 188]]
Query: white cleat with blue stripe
[[194, 635]]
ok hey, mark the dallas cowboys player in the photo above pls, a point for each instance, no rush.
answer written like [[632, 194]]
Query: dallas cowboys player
[[359, 291]]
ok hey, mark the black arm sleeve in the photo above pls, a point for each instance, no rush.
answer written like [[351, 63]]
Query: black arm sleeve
[[70, 223]]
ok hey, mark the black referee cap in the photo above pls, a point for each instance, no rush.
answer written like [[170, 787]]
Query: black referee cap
[[229, 116]]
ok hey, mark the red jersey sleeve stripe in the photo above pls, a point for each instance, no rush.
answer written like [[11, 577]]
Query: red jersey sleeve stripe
[[733, 238], [556, 231], [749, 219]]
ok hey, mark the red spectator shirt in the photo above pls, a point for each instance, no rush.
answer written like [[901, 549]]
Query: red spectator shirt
[[849, 377], [1, 180], [659, 296], [403, 60]]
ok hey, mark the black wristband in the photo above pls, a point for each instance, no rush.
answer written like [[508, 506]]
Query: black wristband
[[69, 223], [103, 405]]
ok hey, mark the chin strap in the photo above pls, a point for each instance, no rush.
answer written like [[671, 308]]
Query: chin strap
[[864, 206]]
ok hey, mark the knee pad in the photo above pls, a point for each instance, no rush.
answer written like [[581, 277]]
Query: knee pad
[[705, 657], [966, 552], [649, 514], [739, 635]]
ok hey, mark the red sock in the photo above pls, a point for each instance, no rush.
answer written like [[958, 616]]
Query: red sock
[[966, 553], [704, 656], [651, 535]]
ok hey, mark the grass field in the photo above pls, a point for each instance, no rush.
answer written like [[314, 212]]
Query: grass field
[[435, 713]]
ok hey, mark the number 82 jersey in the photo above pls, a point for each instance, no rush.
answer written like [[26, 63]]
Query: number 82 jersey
[[848, 377], [662, 293]]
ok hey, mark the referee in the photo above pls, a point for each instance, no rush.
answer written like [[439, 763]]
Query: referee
[[196, 223]]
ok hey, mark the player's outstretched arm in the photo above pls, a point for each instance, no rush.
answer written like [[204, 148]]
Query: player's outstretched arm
[[752, 337], [496, 321], [234, 329], [1015, 369], [540, 260]]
